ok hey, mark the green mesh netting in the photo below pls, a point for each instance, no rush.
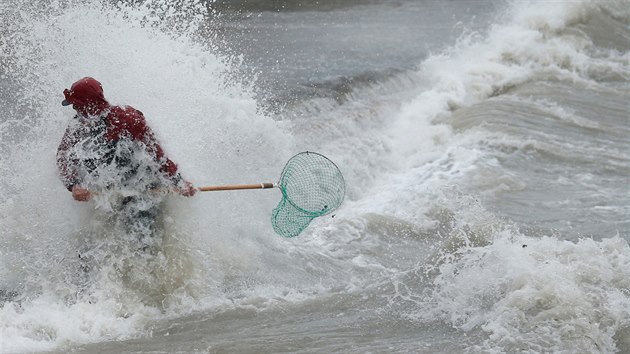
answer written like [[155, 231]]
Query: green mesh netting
[[312, 186]]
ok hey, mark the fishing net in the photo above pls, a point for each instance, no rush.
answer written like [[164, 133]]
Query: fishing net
[[311, 186]]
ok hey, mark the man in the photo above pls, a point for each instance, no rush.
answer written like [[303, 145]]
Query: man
[[96, 133], [111, 151]]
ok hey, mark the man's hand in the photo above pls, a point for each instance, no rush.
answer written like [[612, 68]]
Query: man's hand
[[188, 190], [80, 194]]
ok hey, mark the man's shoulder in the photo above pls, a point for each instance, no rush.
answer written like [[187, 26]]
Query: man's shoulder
[[124, 111], [125, 114]]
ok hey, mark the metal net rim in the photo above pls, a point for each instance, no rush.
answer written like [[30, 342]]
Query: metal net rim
[[283, 186]]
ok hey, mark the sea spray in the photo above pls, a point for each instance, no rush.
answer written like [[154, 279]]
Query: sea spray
[[68, 272]]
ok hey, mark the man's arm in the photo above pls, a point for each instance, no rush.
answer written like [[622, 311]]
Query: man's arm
[[65, 166], [135, 124]]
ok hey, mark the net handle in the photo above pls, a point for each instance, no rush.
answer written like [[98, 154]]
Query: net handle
[[232, 187]]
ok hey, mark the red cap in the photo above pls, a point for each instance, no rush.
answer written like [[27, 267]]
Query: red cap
[[83, 92]]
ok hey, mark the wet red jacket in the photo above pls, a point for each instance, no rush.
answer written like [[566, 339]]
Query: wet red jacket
[[86, 97]]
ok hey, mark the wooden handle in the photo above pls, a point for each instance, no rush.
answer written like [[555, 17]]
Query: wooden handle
[[236, 187]]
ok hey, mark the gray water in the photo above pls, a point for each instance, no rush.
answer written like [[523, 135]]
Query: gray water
[[484, 146], [326, 50]]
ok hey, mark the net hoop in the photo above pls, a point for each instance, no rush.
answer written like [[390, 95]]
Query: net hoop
[[312, 186]]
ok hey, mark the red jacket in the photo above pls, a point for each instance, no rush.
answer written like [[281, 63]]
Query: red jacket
[[87, 98]]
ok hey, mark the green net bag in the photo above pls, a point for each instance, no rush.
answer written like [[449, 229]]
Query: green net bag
[[311, 186]]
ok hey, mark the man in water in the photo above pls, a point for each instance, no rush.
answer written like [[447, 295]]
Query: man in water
[[111, 151]]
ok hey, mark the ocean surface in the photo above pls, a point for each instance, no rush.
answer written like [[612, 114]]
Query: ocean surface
[[485, 147]]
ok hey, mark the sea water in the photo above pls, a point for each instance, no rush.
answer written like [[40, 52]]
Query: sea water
[[484, 146]]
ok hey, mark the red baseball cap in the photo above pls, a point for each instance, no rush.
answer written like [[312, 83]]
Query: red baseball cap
[[86, 90]]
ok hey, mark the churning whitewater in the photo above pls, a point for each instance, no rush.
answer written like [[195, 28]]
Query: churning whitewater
[[484, 147]]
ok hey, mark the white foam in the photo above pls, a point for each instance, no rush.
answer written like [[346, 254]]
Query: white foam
[[536, 294], [208, 124]]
